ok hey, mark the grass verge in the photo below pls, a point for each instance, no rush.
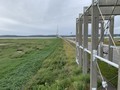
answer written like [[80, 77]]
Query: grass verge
[[109, 72], [59, 72], [42, 64]]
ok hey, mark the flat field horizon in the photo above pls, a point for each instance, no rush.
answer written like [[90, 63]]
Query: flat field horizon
[[40, 64]]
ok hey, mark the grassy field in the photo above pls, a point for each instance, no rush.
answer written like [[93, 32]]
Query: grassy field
[[110, 73], [41, 64]]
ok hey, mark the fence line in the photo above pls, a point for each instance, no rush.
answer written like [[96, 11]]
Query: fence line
[[96, 14]]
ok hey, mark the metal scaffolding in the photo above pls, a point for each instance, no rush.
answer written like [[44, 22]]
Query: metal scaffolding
[[96, 14]]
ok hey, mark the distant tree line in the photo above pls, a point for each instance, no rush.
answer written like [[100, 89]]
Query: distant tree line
[[115, 35]]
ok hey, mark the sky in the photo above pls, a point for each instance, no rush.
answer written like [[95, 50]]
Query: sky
[[41, 17]]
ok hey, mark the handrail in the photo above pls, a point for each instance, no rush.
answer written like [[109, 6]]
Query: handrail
[[102, 59], [107, 61]]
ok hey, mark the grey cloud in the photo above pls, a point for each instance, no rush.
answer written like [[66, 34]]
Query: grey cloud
[[40, 16]]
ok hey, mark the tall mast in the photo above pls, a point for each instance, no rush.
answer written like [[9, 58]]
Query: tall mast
[[57, 33]]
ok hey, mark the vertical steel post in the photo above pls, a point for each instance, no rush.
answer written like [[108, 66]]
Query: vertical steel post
[[80, 39], [102, 39], [95, 27], [77, 55], [119, 77], [85, 41], [110, 52]]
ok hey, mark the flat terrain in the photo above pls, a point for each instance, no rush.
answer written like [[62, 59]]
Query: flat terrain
[[39, 64]]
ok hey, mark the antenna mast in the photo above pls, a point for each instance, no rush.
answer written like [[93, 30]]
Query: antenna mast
[[57, 34]]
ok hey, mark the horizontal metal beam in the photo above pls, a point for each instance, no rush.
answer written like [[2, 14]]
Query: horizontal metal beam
[[102, 59], [88, 51], [114, 47], [108, 2], [80, 47], [106, 11], [100, 18], [107, 61]]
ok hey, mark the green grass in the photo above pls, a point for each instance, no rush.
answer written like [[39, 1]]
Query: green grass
[[41, 64], [17, 67], [62, 72], [109, 72], [116, 40], [106, 41]]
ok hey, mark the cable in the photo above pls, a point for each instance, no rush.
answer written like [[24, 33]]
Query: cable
[[104, 83], [106, 28], [113, 42], [109, 80], [107, 50], [99, 71], [106, 25], [113, 78]]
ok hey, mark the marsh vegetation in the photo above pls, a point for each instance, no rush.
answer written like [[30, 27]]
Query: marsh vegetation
[[40, 64]]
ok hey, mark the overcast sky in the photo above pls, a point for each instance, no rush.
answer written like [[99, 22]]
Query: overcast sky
[[35, 17]]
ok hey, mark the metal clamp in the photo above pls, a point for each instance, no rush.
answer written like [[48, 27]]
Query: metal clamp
[[94, 54], [94, 89], [80, 47], [95, 2], [104, 84], [77, 61], [77, 44]]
